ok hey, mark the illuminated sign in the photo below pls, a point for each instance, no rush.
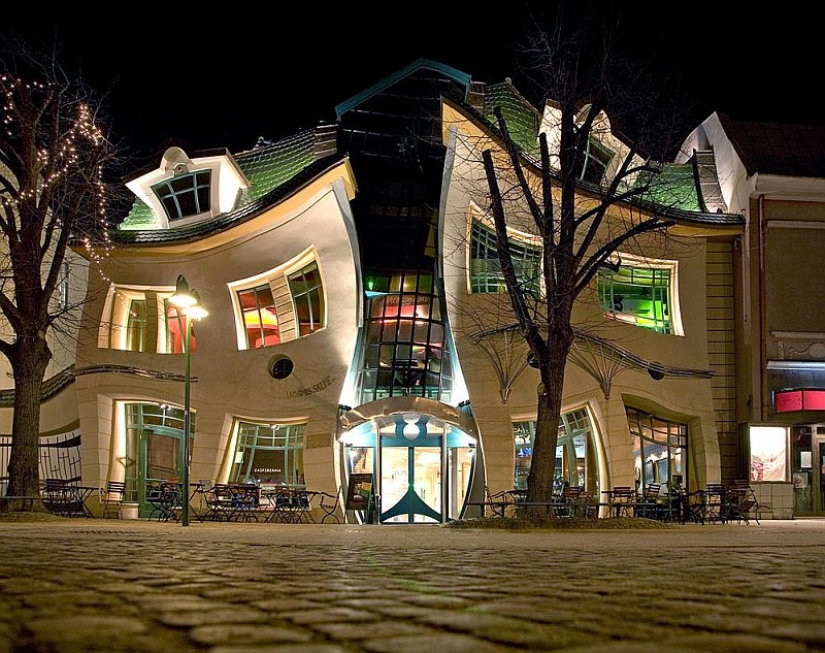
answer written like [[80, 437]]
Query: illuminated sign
[[787, 401]]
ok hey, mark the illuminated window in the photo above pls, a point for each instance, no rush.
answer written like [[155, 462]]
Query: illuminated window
[[185, 195], [136, 326], [308, 298], [280, 305], [63, 288], [406, 348], [485, 268], [639, 294], [259, 316], [142, 320], [769, 453], [269, 454], [576, 459], [660, 449]]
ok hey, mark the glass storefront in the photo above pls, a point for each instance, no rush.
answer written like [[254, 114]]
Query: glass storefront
[[577, 463], [660, 450]]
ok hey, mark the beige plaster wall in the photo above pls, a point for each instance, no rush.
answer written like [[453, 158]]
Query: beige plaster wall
[[228, 383]]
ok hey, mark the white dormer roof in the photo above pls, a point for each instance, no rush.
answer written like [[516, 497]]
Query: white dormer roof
[[226, 180]]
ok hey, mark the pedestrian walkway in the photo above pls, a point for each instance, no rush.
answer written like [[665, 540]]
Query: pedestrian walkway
[[131, 586]]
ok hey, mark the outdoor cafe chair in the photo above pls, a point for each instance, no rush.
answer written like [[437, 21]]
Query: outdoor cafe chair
[[164, 499], [328, 503], [111, 499], [219, 500], [620, 501], [289, 505], [66, 498], [713, 503], [246, 501]]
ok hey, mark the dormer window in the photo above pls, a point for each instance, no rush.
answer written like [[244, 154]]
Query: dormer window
[[594, 162], [185, 195]]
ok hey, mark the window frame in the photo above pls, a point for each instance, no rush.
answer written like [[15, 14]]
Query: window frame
[[118, 325], [286, 308], [197, 194], [259, 309], [670, 322], [305, 297], [527, 259], [293, 444]]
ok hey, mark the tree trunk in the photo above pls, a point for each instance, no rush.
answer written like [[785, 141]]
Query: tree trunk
[[541, 478], [30, 361]]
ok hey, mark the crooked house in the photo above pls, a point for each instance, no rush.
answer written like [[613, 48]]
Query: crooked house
[[358, 322]]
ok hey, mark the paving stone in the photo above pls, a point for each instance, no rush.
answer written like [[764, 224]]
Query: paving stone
[[160, 588], [256, 634]]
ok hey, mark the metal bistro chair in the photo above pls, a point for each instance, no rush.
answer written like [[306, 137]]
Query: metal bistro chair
[[713, 503], [328, 504], [111, 499], [621, 501], [165, 501], [647, 505], [220, 505]]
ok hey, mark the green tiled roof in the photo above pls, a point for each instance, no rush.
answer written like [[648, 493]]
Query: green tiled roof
[[267, 167], [270, 166], [521, 117], [674, 186]]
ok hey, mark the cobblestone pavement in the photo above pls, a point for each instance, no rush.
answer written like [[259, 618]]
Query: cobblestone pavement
[[130, 586]]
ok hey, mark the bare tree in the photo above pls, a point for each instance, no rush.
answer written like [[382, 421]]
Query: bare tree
[[584, 75], [53, 155]]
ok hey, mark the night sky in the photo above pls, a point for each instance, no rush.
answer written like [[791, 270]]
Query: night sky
[[225, 80]]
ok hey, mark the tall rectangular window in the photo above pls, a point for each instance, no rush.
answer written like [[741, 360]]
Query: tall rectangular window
[[638, 294], [576, 452], [63, 287], [143, 320], [308, 298], [593, 162], [259, 316], [136, 326], [485, 268], [660, 449]]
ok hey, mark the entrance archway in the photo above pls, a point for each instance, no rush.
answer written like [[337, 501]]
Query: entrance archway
[[420, 453]]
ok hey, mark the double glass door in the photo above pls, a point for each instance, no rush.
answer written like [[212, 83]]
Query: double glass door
[[423, 481], [154, 445]]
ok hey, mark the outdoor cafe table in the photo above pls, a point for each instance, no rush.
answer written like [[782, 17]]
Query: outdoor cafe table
[[289, 505], [67, 498]]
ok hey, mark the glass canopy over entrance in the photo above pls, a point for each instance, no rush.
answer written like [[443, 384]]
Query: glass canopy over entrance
[[420, 454]]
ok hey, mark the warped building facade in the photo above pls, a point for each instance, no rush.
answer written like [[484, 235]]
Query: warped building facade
[[358, 325]]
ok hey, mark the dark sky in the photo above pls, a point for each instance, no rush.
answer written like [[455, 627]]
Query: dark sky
[[226, 80]]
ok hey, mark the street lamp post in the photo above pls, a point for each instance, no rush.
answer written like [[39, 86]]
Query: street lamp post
[[189, 303]]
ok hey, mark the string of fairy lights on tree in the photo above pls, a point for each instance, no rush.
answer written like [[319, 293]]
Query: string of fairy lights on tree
[[57, 161]]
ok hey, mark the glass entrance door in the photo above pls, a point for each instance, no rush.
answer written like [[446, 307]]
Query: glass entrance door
[[154, 445], [809, 470], [421, 467], [411, 484]]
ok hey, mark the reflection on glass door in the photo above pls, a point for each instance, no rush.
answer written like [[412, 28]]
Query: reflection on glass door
[[808, 453], [154, 445], [420, 479], [411, 484]]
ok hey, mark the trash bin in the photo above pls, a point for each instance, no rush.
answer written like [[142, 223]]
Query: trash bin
[[130, 511]]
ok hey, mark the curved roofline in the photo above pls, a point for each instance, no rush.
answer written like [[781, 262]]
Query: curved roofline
[[676, 214], [230, 219], [375, 89]]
